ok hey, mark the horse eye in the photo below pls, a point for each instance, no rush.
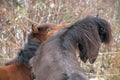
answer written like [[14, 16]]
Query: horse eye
[[41, 28]]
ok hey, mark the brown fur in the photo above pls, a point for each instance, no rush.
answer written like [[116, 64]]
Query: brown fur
[[18, 69], [60, 26], [15, 71]]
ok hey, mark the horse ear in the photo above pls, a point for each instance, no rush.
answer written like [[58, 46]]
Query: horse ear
[[35, 28]]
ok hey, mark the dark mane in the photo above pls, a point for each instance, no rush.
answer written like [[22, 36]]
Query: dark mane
[[26, 53], [56, 56]]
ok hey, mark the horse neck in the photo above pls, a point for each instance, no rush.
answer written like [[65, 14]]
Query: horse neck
[[72, 47], [20, 68]]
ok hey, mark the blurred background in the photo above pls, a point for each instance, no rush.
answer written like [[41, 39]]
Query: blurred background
[[17, 16]]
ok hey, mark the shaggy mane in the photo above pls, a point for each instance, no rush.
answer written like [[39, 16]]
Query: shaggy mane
[[26, 53]]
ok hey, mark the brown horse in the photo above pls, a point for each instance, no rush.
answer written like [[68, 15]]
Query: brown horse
[[56, 58], [19, 68]]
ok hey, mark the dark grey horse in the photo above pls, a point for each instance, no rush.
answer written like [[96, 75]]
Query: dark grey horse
[[56, 58]]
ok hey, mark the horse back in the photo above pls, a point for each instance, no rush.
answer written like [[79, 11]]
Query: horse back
[[15, 71]]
